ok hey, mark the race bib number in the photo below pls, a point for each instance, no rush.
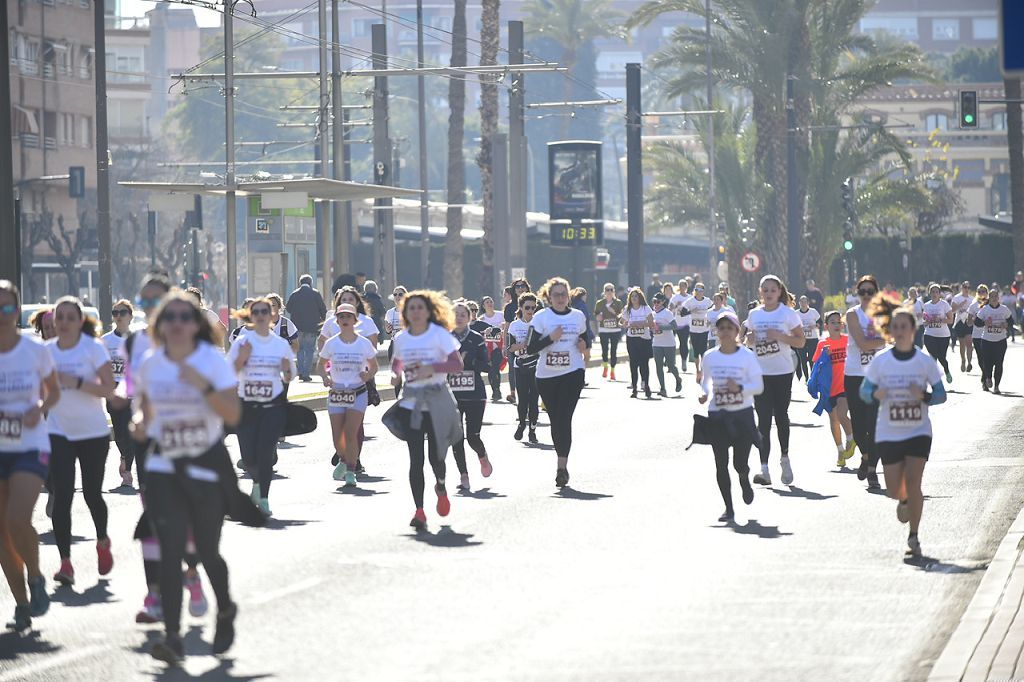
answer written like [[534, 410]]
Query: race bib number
[[636, 331], [763, 348], [558, 359], [810, 332], [994, 328], [492, 334], [698, 323], [906, 414], [341, 398], [724, 397], [260, 391], [865, 357], [117, 367], [609, 324], [10, 428], [184, 436], [463, 381]]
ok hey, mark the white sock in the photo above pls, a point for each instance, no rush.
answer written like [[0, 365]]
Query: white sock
[[764, 469]]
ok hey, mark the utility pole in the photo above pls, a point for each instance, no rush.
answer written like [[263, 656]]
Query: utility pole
[[792, 198], [323, 230], [383, 218], [421, 112], [10, 243], [634, 178], [341, 210], [517, 149], [106, 294], [229, 156], [712, 209], [499, 156]]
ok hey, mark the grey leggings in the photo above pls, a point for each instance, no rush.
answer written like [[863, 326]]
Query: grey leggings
[[665, 357]]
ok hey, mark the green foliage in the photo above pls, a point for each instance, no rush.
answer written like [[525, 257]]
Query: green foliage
[[975, 65]]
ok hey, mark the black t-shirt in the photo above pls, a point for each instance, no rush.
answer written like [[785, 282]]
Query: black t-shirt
[[815, 298], [510, 311]]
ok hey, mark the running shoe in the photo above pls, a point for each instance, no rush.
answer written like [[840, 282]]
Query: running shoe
[[22, 621], [104, 559], [633, 393], [873, 483], [532, 437], [152, 609], [496, 397], [913, 545], [264, 505], [984, 386], [851, 446], [763, 478], [350, 479], [729, 515], [995, 389], [224, 637], [38, 599], [254, 495], [663, 393], [444, 505], [519, 431], [970, 367], [339, 471], [562, 478], [612, 376], [679, 383], [748, 490], [903, 511], [360, 469], [66, 574], [464, 482], [126, 480], [787, 472], [604, 370], [949, 377], [419, 519], [170, 650], [335, 458], [486, 469], [511, 398], [862, 468], [197, 604], [647, 391], [963, 366]]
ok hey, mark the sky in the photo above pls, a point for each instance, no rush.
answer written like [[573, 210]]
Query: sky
[[138, 8]]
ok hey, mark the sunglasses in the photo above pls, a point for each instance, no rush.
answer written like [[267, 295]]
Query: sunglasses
[[529, 307], [119, 312], [398, 294], [866, 292], [183, 317], [259, 311], [147, 303], [8, 309]]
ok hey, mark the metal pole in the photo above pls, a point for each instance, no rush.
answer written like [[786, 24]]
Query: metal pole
[[10, 244], [421, 106], [106, 294], [792, 200], [502, 266], [341, 210], [383, 218], [324, 247], [712, 209], [229, 156], [634, 178], [151, 234], [517, 150]]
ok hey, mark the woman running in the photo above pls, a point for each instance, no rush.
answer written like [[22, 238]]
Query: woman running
[[732, 378], [775, 328], [78, 430], [938, 316], [607, 312], [558, 334], [29, 390], [353, 363], [638, 319], [677, 304], [120, 416], [265, 364], [393, 317], [835, 343], [994, 318], [469, 391], [864, 342], [697, 307], [980, 301], [364, 327], [524, 365], [961, 330], [425, 352], [492, 339], [718, 306], [188, 393], [516, 289], [915, 303], [809, 318], [904, 383], [664, 344]]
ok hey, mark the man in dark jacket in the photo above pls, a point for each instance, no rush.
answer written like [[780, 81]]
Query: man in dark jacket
[[376, 303], [308, 312]]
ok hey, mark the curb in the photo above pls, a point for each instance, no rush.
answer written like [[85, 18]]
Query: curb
[[967, 655]]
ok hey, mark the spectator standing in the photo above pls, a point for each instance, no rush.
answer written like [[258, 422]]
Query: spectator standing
[[815, 296], [307, 310], [376, 304]]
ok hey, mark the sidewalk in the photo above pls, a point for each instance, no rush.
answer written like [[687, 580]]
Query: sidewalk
[[988, 644]]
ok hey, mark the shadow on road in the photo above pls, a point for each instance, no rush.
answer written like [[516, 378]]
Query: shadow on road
[[794, 491], [356, 491], [539, 446], [445, 537], [48, 539], [194, 646], [933, 565], [481, 494], [274, 523], [287, 446], [805, 426], [568, 493], [362, 478], [97, 594], [13, 645], [124, 490], [752, 527]]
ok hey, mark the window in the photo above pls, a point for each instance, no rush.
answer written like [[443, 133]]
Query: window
[[970, 172], [985, 29], [361, 27], [613, 64], [933, 121], [945, 29], [999, 120], [66, 130], [406, 23], [85, 131], [442, 23], [904, 27]]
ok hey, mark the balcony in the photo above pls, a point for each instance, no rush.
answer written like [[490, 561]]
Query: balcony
[[30, 140], [49, 143]]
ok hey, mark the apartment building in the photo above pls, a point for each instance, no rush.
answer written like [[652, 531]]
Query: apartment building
[[941, 26]]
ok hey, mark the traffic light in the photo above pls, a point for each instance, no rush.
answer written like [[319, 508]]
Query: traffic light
[[848, 196], [968, 109], [848, 236]]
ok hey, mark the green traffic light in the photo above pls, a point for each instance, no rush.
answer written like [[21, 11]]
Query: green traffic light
[[848, 245], [968, 118]]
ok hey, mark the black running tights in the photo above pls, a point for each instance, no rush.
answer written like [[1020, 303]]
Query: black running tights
[[472, 411], [528, 396], [684, 344], [640, 352], [610, 348], [560, 395], [863, 417], [92, 458], [262, 424], [937, 347], [774, 402], [740, 462], [993, 352], [415, 443]]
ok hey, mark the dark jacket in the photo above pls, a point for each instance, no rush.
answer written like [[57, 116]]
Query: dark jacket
[[476, 360], [580, 305], [306, 309], [376, 311]]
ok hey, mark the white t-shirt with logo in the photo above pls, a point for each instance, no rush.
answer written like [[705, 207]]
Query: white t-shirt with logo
[[183, 424], [562, 356], [637, 316], [431, 347], [348, 360], [997, 321], [676, 304], [713, 321], [259, 381], [960, 305], [393, 318], [972, 310], [900, 416], [699, 314], [918, 307], [935, 319], [79, 415], [114, 345], [664, 338], [22, 371], [775, 357], [857, 360], [809, 321], [718, 367]]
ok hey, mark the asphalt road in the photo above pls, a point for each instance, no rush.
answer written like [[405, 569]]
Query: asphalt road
[[627, 575]]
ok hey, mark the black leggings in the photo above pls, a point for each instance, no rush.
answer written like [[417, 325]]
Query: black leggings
[[993, 352], [700, 344], [528, 396], [494, 373], [863, 417], [610, 348], [175, 504], [640, 352], [740, 442], [774, 402], [262, 424], [684, 344], [560, 395], [92, 458], [473, 413], [119, 421], [803, 359], [976, 342], [937, 347], [415, 443]]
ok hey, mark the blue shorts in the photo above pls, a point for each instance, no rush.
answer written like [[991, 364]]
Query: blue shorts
[[30, 461], [358, 406]]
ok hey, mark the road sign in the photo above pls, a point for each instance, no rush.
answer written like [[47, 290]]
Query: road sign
[[76, 182], [602, 257], [1011, 38], [750, 262]]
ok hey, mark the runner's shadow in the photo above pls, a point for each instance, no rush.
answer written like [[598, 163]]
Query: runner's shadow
[[12, 645], [932, 565], [124, 490], [274, 523], [805, 426], [752, 527], [363, 478], [97, 594], [539, 446], [287, 446], [48, 539], [356, 491], [221, 672], [794, 491], [568, 493], [445, 537], [1009, 394], [844, 470], [481, 494]]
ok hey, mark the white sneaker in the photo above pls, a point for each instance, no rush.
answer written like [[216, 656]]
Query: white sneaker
[[339, 471], [787, 472]]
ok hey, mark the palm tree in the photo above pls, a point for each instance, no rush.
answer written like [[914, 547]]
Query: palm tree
[[490, 36], [453, 253]]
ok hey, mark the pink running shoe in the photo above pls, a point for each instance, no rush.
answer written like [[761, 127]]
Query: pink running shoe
[[197, 604], [152, 609], [66, 574], [104, 559]]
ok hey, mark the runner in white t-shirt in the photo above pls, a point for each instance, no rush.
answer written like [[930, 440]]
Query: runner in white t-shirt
[[914, 302], [961, 330], [938, 316], [810, 320], [638, 320], [980, 300], [697, 307], [664, 344], [995, 319], [120, 416], [863, 344], [677, 305]]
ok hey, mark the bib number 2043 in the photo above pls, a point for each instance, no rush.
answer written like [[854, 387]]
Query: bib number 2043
[[766, 348], [558, 359]]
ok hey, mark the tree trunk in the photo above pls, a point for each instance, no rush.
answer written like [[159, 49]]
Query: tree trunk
[[770, 120], [799, 66], [490, 34], [453, 252], [1015, 144]]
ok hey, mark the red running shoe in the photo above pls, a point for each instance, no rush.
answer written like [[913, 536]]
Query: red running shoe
[[419, 519], [443, 504], [104, 559]]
